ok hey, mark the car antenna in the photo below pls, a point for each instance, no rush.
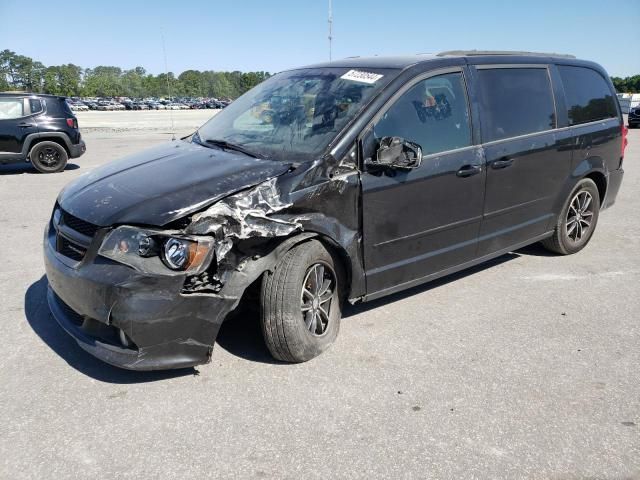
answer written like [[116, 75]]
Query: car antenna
[[166, 72]]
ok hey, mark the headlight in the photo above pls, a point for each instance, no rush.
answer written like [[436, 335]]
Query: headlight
[[182, 254], [158, 252], [176, 253]]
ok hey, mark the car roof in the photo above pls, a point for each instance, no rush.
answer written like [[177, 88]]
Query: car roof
[[396, 61], [29, 94], [472, 56]]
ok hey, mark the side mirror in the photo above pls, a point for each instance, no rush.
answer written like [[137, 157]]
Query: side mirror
[[396, 152]]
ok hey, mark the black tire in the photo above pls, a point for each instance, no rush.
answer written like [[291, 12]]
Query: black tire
[[571, 233], [290, 334], [48, 157]]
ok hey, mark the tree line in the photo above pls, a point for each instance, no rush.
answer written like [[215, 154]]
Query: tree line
[[627, 85], [19, 72]]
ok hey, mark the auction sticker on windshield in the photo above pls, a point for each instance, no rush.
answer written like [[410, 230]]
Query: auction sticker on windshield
[[359, 76]]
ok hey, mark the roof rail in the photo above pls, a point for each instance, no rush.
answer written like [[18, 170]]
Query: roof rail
[[464, 53]]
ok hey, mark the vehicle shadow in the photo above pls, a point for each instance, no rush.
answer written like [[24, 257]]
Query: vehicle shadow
[[43, 324], [241, 335], [351, 310], [27, 168], [536, 250]]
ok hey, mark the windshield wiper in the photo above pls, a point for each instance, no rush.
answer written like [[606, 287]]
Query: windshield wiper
[[233, 146]]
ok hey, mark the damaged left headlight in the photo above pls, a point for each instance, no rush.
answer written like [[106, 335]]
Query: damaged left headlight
[[157, 251]]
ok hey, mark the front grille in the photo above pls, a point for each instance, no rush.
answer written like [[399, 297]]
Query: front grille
[[67, 244], [80, 226], [70, 249]]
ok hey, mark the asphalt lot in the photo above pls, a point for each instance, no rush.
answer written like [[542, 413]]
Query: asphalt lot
[[528, 367]]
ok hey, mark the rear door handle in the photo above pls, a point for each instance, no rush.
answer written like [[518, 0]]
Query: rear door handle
[[25, 124], [502, 163], [468, 170]]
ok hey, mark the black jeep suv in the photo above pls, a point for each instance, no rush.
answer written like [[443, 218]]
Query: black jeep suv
[[40, 128]]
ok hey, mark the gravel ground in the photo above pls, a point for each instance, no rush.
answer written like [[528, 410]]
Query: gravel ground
[[526, 367]]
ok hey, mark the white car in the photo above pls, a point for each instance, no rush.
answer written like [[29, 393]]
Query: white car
[[78, 107]]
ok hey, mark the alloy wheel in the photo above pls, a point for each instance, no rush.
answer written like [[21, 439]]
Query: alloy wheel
[[317, 295], [579, 216]]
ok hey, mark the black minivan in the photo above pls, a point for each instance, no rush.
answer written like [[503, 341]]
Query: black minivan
[[343, 181]]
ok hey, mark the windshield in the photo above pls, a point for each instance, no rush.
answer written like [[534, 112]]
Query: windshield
[[295, 115]]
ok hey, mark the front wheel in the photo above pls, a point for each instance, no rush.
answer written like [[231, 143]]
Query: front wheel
[[577, 221], [300, 303]]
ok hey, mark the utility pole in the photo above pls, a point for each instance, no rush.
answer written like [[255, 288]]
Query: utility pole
[[330, 28], [166, 72]]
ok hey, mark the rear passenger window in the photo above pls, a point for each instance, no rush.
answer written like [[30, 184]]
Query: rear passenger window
[[588, 95], [515, 101], [433, 114], [11, 108], [35, 105]]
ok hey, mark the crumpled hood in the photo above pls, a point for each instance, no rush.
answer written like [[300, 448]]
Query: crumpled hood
[[163, 184]]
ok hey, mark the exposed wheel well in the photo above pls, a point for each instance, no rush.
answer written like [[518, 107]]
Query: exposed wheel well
[[345, 261], [339, 253], [601, 182], [57, 140]]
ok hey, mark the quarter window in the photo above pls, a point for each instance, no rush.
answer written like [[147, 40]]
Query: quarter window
[[433, 114], [11, 108], [35, 105], [589, 98], [515, 101]]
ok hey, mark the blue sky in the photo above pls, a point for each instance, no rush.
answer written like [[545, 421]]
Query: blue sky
[[273, 35]]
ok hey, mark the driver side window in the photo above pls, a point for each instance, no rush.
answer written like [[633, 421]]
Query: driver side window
[[433, 113]]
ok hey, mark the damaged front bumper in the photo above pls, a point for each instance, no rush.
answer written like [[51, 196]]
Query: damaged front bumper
[[131, 319]]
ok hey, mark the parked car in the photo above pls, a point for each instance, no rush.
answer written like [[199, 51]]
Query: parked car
[[216, 104], [77, 106], [344, 181], [104, 105], [634, 117], [41, 129]]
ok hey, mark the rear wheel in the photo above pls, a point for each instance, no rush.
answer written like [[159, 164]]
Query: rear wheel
[[300, 303], [48, 157], [577, 221]]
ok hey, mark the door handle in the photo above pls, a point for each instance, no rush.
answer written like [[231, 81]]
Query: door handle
[[25, 124], [502, 163], [468, 170]]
